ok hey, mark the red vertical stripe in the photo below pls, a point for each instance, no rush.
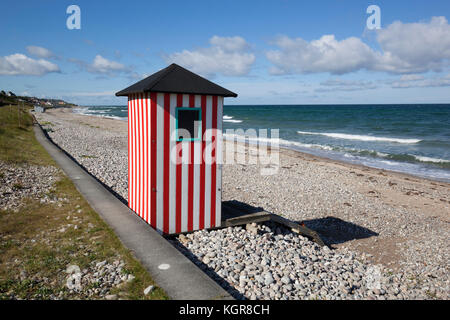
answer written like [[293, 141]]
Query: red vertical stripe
[[135, 184], [144, 164], [141, 169], [178, 176], [166, 162], [153, 158], [138, 155], [202, 166], [190, 224], [213, 161], [143, 155], [138, 171], [133, 128], [129, 152], [147, 193], [146, 159]]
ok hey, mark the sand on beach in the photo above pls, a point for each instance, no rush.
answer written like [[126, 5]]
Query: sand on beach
[[398, 220]]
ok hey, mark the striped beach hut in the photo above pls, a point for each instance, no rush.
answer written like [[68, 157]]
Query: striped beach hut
[[175, 150]]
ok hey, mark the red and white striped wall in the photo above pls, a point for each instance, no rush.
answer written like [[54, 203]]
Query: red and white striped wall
[[174, 186]]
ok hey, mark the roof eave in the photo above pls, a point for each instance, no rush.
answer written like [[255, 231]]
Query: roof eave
[[124, 93]]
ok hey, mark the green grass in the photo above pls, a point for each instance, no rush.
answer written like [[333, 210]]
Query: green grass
[[17, 142], [29, 238]]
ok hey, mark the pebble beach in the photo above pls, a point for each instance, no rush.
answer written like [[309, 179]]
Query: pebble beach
[[387, 233]]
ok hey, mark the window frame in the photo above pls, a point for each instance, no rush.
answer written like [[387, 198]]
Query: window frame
[[199, 134]]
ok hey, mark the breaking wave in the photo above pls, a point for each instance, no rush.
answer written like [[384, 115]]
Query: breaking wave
[[359, 137]]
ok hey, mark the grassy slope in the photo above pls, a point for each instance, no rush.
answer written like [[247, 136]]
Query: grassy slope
[[30, 241]]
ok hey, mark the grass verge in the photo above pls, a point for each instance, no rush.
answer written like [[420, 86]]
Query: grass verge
[[39, 240]]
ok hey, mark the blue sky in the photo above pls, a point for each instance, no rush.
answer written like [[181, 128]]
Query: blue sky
[[269, 52]]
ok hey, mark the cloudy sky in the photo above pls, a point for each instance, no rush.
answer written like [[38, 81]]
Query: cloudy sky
[[269, 52]]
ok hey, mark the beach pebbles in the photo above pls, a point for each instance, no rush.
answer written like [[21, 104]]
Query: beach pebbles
[[345, 204]]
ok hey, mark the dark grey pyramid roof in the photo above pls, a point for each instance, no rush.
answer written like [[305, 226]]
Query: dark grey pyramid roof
[[176, 79]]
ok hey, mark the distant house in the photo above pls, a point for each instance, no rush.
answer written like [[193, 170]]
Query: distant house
[[39, 109]]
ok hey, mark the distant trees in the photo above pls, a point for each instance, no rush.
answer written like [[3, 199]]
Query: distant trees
[[9, 94], [7, 98]]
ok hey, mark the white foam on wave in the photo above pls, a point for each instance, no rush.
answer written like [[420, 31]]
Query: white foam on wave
[[359, 137], [274, 141], [429, 159], [227, 117], [101, 114], [399, 166], [80, 110], [232, 120]]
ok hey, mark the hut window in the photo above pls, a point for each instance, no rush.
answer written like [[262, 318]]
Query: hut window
[[188, 123]]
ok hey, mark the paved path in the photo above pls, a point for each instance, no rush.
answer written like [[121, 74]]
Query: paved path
[[183, 279]]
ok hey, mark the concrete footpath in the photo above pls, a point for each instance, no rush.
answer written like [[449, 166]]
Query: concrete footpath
[[170, 269]]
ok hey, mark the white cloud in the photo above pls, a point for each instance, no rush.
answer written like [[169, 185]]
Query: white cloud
[[415, 47], [405, 48], [331, 85], [229, 56], [229, 44], [103, 65], [40, 52], [91, 94], [411, 77], [420, 82], [20, 64], [324, 55]]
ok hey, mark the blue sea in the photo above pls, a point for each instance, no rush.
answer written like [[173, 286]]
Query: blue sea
[[413, 139]]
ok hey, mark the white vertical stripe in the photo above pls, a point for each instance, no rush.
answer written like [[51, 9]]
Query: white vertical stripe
[[172, 168], [160, 161], [131, 186], [129, 151], [207, 158], [136, 150], [219, 155], [151, 155], [197, 161], [146, 137], [141, 160], [185, 145], [139, 153], [142, 151], [133, 160]]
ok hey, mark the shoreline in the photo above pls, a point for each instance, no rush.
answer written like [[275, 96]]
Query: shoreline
[[409, 176]]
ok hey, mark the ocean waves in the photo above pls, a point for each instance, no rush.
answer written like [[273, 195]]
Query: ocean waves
[[360, 137], [345, 153], [230, 119], [109, 113], [410, 138]]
